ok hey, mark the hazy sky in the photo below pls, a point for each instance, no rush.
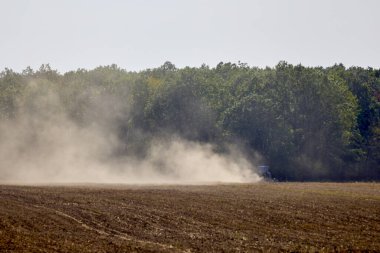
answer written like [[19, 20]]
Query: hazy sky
[[139, 34]]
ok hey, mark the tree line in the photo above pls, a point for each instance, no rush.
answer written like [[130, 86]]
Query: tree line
[[306, 123]]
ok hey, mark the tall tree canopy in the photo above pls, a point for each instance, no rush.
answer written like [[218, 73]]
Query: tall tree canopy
[[307, 123]]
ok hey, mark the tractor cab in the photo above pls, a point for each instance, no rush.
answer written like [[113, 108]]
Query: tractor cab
[[264, 172]]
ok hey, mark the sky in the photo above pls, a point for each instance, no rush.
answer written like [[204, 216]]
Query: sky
[[140, 34]]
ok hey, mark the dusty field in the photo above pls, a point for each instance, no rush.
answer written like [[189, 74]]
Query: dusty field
[[260, 217]]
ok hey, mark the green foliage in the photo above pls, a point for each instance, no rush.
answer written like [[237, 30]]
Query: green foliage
[[307, 123]]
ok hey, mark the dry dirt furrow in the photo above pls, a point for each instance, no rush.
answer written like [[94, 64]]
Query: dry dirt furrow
[[103, 230], [306, 217]]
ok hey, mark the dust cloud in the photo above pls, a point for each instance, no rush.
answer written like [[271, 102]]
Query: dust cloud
[[43, 144]]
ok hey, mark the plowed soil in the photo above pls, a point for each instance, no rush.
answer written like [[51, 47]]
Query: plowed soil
[[312, 217]]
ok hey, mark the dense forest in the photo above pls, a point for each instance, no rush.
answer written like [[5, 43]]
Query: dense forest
[[306, 123]]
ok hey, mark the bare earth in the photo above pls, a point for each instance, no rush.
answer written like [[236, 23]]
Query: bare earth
[[312, 217]]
